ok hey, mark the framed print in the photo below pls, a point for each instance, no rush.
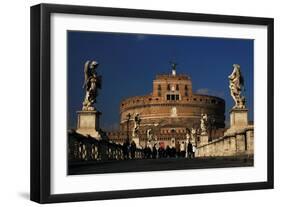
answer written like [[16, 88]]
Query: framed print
[[132, 103]]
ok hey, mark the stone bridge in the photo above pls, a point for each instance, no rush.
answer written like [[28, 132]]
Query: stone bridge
[[238, 143]]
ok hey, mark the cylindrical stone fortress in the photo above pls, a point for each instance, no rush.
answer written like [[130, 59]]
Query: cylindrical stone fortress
[[169, 110], [172, 102]]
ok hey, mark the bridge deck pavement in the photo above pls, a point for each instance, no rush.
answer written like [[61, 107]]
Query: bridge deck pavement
[[141, 165]]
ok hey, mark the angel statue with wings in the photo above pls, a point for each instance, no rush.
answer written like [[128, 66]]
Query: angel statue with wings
[[203, 124], [137, 121], [92, 83], [236, 84]]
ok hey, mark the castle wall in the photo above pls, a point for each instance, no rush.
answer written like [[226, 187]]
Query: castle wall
[[187, 111]]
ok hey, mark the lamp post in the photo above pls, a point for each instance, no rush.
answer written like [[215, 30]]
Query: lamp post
[[128, 122]]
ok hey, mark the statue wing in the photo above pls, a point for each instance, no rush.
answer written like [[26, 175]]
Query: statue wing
[[99, 81], [242, 82], [86, 73]]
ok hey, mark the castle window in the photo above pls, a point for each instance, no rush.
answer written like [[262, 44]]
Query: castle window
[[168, 87], [168, 97], [177, 87], [173, 97], [194, 99], [186, 90], [159, 87], [213, 101], [159, 93]]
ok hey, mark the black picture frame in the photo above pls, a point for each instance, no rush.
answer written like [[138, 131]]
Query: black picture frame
[[41, 95]]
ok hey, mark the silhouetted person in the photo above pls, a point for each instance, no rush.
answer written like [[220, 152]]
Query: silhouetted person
[[160, 152], [193, 151], [189, 150], [182, 149], [125, 149], [177, 149], [149, 152], [133, 149], [145, 152], [154, 152], [173, 152], [168, 151]]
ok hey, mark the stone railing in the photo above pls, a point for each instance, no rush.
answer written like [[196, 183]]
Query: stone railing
[[82, 148], [239, 143]]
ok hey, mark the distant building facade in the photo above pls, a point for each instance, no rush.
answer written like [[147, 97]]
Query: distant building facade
[[169, 112]]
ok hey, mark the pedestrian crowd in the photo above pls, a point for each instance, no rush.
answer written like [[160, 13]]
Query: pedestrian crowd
[[158, 152]]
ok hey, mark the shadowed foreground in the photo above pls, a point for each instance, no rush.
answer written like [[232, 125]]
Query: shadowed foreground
[[141, 165]]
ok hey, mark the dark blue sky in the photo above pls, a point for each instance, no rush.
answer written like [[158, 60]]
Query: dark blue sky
[[129, 63]]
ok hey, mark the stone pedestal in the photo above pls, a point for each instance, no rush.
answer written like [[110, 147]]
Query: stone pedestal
[[238, 120], [88, 123], [204, 139]]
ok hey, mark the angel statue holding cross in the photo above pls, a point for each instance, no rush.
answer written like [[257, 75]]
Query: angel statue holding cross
[[91, 84]]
